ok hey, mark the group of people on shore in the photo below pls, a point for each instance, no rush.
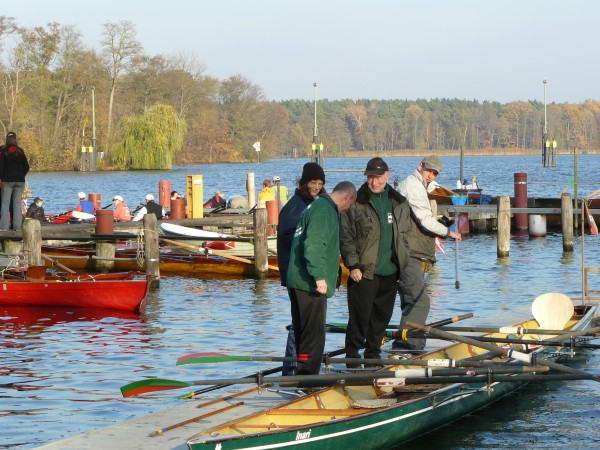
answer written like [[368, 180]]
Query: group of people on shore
[[386, 239]]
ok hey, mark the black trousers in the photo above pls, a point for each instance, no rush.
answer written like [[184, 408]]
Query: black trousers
[[309, 311], [370, 307]]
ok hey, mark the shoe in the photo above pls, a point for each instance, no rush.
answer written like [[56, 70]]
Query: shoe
[[402, 345]]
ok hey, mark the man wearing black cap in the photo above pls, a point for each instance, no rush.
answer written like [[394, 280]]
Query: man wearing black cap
[[310, 186], [374, 247], [36, 210], [415, 301], [13, 168]]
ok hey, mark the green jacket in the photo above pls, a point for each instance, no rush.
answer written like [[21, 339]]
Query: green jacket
[[315, 253], [360, 232]]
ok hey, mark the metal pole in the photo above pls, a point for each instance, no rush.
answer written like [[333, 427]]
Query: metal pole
[[93, 155], [315, 156], [545, 135]]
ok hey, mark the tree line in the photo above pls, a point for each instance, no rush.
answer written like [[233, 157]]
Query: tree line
[[150, 111]]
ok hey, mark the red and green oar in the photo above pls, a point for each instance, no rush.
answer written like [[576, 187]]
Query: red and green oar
[[159, 384]]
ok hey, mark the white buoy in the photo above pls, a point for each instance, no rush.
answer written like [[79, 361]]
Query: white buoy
[[537, 225]]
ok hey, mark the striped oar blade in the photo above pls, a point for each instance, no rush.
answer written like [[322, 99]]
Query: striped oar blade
[[151, 385], [207, 358]]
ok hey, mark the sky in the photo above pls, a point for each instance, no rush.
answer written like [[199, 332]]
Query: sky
[[494, 50]]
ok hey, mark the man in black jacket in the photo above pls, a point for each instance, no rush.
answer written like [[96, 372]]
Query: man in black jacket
[[150, 207]]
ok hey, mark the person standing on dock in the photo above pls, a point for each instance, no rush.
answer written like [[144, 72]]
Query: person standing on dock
[[414, 299], [313, 272], [121, 212], [374, 247], [310, 186], [13, 169]]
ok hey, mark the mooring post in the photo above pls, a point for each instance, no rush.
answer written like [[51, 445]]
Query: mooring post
[[251, 190], [566, 220], [151, 247], [503, 249], [261, 259], [32, 242], [105, 254]]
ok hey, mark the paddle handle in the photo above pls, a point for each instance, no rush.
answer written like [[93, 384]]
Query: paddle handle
[[57, 264]]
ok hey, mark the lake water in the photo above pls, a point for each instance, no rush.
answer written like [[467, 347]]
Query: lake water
[[61, 370]]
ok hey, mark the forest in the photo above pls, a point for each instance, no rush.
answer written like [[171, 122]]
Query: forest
[[152, 111]]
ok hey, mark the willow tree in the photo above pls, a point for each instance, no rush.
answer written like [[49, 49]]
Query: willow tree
[[151, 139]]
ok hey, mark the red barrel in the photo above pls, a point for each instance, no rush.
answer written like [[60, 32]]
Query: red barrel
[[463, 223], [178, 208], [164, 193], [521, 220], [96, 199], [272, 215], [104, 221]]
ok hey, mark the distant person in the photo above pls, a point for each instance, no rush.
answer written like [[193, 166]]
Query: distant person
[[36, 210], [150, 207], [374, 247], [414, 299], [121, 212], [13, 169], [176, 195], [310, 186], [313, 272], [24, 197], [281, 191], [216, 201], [85, 205], [267, 193]]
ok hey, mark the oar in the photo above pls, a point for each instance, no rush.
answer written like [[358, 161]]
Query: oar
[[193, 394], [520, 331], [216, 358], [55, 263], [552, 310], [159, 384], [214, 252], [437, 324], [542, 342], [523, 357]]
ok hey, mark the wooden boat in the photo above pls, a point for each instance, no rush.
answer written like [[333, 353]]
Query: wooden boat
[[378, 416], [85, 291]]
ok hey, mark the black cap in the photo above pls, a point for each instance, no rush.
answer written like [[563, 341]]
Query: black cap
[[312, 171], [35, 200], [376, 166]]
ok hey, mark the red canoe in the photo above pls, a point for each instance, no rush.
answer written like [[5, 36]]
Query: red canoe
[[124, 295]]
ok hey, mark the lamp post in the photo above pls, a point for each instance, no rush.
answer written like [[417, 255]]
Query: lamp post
[[315, 157], [93, 153], [545, 135]]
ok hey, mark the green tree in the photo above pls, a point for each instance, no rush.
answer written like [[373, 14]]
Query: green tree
[[151, 140]]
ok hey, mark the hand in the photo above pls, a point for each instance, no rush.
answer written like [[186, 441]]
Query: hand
[[356, 275], [455, 235], [322, 287]]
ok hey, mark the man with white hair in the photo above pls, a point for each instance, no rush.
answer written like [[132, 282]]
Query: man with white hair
[[85, 205], [150, 207]]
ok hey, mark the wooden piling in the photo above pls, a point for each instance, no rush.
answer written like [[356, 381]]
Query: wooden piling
[[261, 259], [251, 190], [105, 249], [32, 242], [566, 220], [151, 247], [503, 249]]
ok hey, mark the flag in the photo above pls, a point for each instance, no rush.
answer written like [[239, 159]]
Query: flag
[[439, 246], [256, 145], [591, 221]]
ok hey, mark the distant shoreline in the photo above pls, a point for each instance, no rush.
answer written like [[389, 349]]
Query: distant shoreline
[[467, 152]]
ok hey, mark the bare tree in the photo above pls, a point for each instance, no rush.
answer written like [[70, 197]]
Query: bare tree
[[120, 49]]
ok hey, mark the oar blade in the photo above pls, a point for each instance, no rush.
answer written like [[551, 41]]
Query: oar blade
[[208, 358], [552, 310], [151, 385]]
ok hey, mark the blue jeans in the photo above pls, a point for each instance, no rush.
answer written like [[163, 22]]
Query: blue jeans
[[12, 191]]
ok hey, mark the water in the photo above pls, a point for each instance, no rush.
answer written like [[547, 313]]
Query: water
[[61, 370]]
